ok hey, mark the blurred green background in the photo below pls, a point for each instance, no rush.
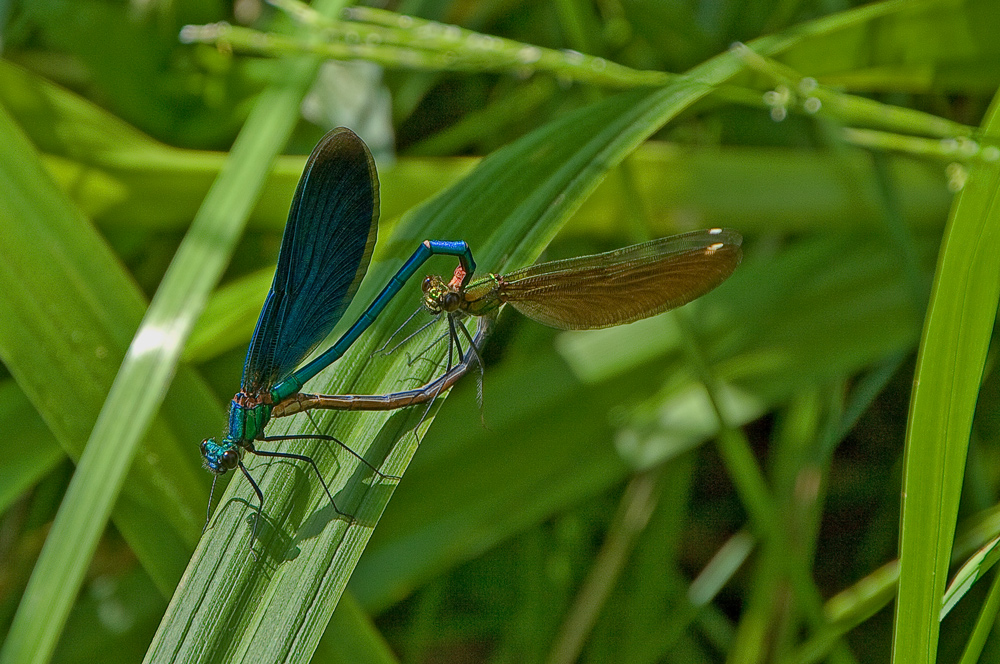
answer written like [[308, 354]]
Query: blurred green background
[[721, 483]]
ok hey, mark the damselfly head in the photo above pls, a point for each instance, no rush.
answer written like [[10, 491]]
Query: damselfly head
[[439, 297], [220, 457]]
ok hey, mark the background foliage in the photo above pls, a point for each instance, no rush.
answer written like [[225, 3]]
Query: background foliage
[[718, 483]]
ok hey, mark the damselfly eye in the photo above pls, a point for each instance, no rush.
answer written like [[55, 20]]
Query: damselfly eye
[[428, 284], [450, 301], [230, 459]]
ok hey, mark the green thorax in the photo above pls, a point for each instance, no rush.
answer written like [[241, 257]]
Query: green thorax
[[482, 295], [247, 418], [478, 298]]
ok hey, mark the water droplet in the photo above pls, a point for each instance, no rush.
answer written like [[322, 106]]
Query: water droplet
[[957, 176], [189, 34], [429, 31], [779, 97], [477, 41], [529, 55], [967, 147], [812, 105]]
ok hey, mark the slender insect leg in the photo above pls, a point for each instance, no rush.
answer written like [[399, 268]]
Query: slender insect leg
[[297, 457], [260, 502]]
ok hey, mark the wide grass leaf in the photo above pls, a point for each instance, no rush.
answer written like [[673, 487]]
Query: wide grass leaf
[[957, 332], [141, 383]]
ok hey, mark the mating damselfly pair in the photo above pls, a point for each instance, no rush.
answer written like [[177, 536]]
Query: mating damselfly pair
[[326, 250]]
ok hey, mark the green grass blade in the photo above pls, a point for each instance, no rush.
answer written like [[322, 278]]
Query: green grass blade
[[123, 179], [65, 329], [142, 381], [974, 569], [68, 327], [956, 336], [984, 624]]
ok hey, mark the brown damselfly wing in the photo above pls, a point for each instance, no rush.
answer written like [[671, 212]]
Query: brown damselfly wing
[[624, 285]]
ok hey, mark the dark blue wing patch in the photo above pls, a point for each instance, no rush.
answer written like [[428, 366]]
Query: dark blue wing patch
[[325, 252]]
